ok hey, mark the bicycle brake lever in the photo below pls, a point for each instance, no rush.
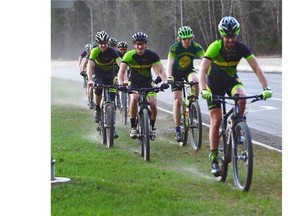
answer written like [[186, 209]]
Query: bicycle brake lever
[[259, 97]]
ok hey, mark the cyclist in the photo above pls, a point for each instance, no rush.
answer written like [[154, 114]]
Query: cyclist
[[219, 64], [83, 68], [140, 60], [83, 54], [101, 60], [180, 66], [122, 47], [113, 44]]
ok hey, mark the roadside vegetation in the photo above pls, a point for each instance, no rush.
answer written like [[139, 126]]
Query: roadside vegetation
[[117, 181]]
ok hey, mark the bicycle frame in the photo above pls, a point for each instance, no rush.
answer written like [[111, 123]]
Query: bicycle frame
[[191, 115], [107, 120], [143, 119], [237, 142]]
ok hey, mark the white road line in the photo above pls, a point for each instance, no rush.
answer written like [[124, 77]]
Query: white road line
[[263, 108], [253, 141]]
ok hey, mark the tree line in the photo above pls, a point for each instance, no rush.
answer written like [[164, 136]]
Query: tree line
[[260, 21]]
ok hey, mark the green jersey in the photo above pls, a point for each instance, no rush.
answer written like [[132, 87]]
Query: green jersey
[[140, 65], [226, 62], [104, 60], [183, 58]]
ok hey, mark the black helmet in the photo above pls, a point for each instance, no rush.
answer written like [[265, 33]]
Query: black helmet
[[101, 37], [229, 26], [122, 44], [112, 42], [139, 37]]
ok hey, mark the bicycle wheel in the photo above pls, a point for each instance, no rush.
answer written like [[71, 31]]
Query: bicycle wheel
[[124, 108], [242, 156], [223, 151], [195, 125], [184, 126], [145, 135], [85, 81], [140, 133], [102, 130], [109, 124]]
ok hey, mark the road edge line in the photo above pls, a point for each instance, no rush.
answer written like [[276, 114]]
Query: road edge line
[[253, 141]]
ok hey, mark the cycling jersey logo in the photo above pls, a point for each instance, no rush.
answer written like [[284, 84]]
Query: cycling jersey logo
[[184, 62]]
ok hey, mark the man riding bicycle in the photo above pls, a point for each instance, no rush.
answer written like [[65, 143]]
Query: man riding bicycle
[[219, 65], [141, 60], [122, 47], [83, 54], [180, 66], [101, 60], [83, 69]]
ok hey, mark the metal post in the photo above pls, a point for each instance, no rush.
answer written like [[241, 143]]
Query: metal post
[[56, 180], [53, 168]]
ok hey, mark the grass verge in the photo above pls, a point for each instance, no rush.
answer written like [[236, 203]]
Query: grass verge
[[118, 181]]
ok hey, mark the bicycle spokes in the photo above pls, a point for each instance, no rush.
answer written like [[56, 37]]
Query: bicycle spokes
[[242, 157]]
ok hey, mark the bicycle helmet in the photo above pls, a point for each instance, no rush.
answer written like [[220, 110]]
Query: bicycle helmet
[[185, 32], [229, 26], [139, 37], [122, 44], [94, 44], [101, 37], [88, 46], [112, 42]]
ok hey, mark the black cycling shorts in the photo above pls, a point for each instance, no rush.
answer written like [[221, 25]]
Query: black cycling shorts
[[180, 76], [221, 85]]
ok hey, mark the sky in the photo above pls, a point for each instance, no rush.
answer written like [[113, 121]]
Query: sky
[[25, 112]]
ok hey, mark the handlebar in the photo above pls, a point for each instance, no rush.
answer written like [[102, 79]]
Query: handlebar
[[182, 82], [146, 90], [237, 97], [106, 86]]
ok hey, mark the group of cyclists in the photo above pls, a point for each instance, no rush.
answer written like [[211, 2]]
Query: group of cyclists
[[107, 60]]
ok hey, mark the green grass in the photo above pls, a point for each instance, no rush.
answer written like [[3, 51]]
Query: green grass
[[117, 181]]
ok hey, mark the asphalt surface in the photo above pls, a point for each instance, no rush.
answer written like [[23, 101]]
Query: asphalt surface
[[69, 70]]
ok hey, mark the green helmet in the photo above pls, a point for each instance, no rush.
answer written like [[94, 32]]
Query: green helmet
[[185, 32]]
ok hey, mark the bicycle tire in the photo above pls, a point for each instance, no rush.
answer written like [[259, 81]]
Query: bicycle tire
[[222, 154], [195, 125], [109, 126], [85, 81], [242, 156], [184, 126], [140, 133], [124, 108], [102, 130], [145, 134]]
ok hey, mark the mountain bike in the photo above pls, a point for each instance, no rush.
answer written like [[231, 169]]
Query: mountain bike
[[106, 124], [191, 119], [143, 120], [235, 142]]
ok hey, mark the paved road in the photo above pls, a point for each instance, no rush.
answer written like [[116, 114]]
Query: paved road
[[264, 117]]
